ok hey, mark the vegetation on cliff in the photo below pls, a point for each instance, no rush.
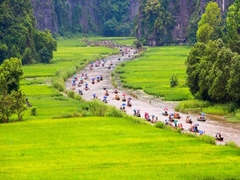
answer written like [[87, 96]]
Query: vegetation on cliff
[[18, 36], [108, 18], [155, 25]]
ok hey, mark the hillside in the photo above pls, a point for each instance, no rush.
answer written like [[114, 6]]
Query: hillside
[[117, 18]]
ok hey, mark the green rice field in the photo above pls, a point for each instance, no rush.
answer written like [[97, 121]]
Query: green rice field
[[109, 148], [70, 52], [152, 71]]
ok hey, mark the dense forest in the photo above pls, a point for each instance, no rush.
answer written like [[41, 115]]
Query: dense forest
[[19, 37]]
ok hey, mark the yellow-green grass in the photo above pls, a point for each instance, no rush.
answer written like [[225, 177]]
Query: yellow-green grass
[[152, 71], [109, 148], [48, 102], [66, 57]]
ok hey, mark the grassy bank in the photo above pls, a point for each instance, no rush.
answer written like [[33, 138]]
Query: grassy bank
[[152, 71]]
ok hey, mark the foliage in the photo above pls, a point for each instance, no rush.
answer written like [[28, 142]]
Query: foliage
[[12, 100], [233, 26], [155, 25], [19, 103], [212, 67], [33, 111], [209, 27], [10, 75], [19, 38], [173, 80], [137, 44], [107, 18]]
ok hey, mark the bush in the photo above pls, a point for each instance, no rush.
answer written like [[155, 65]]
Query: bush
[[71, 94], [207, 139], [173, 80], [232, 107], [78, 97], [137, 44], [232, 144], [113, 112], [58, 83], [160, 125], [33, 111], [97, 107]]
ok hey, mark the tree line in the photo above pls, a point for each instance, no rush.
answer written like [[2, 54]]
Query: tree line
[[213, 64]]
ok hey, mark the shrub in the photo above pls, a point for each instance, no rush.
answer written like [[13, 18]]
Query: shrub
[[207, 139], [137, 44], [232, 107], [232, 144], [71, 94], [98, 108], [78, 97], [160, 125], [173, 80], [58, 83], [113, 112], [33, 111]]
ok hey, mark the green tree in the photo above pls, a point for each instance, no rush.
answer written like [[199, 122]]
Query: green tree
[[233, 84], [156, 23], [205, 67], [233, 26], [11, 72], [45, 45], [109, 27], [220, 75], [6, 107], [193, 60], [19, 103], [209, 27], [11, 98]]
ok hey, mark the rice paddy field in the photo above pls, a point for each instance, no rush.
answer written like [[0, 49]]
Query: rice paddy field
[[93, 147], [109, 148], [151, 72]]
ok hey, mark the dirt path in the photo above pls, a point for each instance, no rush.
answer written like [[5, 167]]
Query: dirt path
[[146, 103]]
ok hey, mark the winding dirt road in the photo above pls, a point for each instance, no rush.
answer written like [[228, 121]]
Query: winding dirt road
[[144, 102]]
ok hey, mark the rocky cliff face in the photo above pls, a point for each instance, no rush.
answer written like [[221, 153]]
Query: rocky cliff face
[[65, 14], [49, 14], [44, 15]]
